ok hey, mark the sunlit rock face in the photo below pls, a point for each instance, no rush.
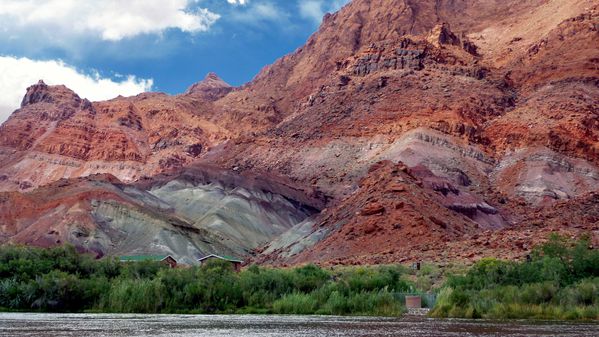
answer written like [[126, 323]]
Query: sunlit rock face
[[55, 134]]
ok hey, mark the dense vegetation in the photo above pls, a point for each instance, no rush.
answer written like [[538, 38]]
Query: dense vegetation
[[560, 281], [59, 279]]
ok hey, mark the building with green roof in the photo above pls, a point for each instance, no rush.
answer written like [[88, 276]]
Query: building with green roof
[[235, 262], [167, 259]]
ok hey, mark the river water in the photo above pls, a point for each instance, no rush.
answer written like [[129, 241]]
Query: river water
[[109, 325]]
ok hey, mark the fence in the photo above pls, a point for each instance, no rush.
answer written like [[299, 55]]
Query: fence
[[428, 299]]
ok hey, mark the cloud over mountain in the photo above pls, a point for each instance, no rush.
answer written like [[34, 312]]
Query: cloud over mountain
[[111, 20], [19, 73]]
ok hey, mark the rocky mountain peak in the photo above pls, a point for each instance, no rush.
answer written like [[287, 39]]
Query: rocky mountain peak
[[43, 93], [52, 102], [213, 79], [37, 93], [212, 86]]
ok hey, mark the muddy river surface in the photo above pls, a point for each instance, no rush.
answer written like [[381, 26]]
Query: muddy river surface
[[109, 325]]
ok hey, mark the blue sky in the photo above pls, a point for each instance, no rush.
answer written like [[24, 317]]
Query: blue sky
[[105, 48]]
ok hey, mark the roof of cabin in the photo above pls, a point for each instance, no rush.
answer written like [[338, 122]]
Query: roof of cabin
[[222, 257], [145, 258]]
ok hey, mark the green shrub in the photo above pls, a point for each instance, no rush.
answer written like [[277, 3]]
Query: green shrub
[[336, 304], [561, 282]]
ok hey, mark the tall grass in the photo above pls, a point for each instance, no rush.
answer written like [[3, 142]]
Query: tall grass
[[295, 303], [131, 296]]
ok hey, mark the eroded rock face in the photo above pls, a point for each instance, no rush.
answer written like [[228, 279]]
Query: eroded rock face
[[541, 175], [390, 223], [180, 216], [58, 135], [490, 106]]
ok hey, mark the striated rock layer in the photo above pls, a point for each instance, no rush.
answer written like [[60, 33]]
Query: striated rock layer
[[187, 216], [484, 114]]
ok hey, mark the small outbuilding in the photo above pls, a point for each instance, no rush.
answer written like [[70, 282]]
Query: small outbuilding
[[166, 259], [413, 302], [235, 262]]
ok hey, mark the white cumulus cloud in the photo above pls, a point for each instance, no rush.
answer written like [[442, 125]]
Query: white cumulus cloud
[[111, 20], [20, 73], [238, 2], [260, 12], [315, 9]]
